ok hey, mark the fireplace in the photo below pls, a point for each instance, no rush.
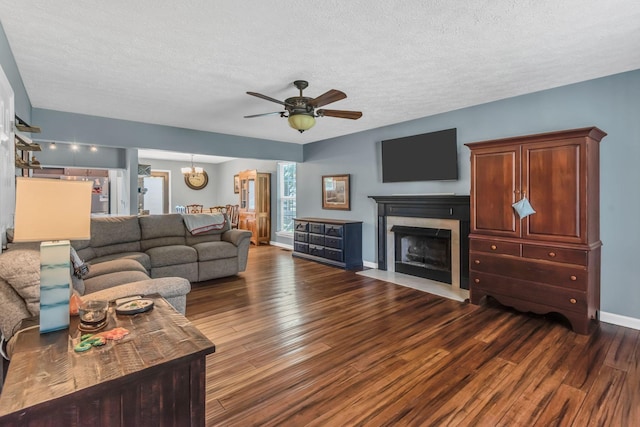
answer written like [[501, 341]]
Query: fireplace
[[423, 252], [437, 223]]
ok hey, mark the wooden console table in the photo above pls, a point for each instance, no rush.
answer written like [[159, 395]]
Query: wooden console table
[[153, 376]]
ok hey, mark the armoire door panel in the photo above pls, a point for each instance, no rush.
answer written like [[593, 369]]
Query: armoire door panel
[[496, 177], [552, 180]]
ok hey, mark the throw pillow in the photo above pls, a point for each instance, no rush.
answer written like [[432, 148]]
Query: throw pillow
[[21, 269], [78, 270], [77, 283]]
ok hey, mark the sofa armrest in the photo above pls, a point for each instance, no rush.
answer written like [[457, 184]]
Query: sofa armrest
[[113, 266], [236, 236], [166, 287]]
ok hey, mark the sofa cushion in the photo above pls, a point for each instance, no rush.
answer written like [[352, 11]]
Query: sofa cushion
[[186, 271], [109, 280], [162, 256], [215, 250], [204, 237], [20, 268], [161, 230], [119, 264], [80, 244], [86, 254], [13, 310], [118, 248], [139, 257], [106, 231]]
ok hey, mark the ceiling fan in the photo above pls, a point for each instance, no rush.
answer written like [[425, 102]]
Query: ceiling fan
[[301, 110]]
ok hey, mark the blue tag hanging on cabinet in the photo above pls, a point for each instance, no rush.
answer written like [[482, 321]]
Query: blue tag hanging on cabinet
[[523, 208]]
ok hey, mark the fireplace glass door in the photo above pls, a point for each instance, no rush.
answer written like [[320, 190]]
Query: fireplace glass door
[[423, 252]]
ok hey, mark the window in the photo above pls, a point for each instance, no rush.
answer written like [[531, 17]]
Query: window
[[286, 196]]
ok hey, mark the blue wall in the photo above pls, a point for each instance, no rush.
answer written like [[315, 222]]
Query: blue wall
[[610, 103], [70, 127]]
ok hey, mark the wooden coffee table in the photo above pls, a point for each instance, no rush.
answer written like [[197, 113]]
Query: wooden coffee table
[[153, 376]]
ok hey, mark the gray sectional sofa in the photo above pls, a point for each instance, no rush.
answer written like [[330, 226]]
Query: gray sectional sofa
[[165, 247], [129, 255]]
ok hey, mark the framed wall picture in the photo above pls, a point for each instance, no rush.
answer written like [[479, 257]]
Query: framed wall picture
[[236, 184], [335, 192]]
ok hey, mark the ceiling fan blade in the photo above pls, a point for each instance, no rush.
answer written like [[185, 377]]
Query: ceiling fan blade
[[268, 98], [328, 97], [342, 114], [281, 113]]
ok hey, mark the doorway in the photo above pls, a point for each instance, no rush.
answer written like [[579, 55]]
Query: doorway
[[156, 196]]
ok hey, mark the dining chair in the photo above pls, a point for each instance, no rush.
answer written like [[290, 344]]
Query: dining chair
[[218, 209], [233, 212], [194, 209]]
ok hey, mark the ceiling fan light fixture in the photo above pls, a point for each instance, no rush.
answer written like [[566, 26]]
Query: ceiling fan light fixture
[[301, 122]]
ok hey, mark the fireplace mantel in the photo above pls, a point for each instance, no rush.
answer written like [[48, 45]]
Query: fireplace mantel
[[425, 206]]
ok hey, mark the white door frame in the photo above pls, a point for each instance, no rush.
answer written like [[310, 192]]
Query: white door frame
[[7, 157]]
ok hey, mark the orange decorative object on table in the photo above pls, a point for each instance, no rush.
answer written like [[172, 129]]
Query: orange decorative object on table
[[95, 340]]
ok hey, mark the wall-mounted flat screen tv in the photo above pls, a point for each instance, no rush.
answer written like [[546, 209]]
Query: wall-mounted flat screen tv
[[426, 157]]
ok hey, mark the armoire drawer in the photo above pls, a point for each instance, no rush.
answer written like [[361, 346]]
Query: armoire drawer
[[300, 237], [506, 248], [333, 230], [333, 242], [301, 226], [301, 247], [552, 296], [316, 228], [316, 239], [550, 253], [333, 254], [571, 276], [316, 250]]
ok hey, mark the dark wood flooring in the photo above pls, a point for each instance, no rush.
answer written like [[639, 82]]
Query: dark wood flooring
[[300, 343]]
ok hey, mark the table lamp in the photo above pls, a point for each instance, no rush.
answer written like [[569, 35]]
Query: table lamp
[[53, 211]]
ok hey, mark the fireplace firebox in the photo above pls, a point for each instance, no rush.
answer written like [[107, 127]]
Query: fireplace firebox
[[423, 252]]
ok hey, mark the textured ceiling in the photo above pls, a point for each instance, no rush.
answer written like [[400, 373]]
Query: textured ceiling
[[188, 64]]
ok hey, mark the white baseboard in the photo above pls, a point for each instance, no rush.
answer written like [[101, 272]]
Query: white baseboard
[[617, 319], [370, 264], [281, 245]]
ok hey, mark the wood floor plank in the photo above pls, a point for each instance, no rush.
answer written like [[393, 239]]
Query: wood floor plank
[[562, 407], [623, 349], [627, 411], [607, 387], [299, 343]]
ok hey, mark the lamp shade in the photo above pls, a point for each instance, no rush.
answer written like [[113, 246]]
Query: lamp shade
[[51, 209], [302, 122]]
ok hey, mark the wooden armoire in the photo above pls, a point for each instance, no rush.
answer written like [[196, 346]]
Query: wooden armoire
[[548, 261], [255, 205]]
